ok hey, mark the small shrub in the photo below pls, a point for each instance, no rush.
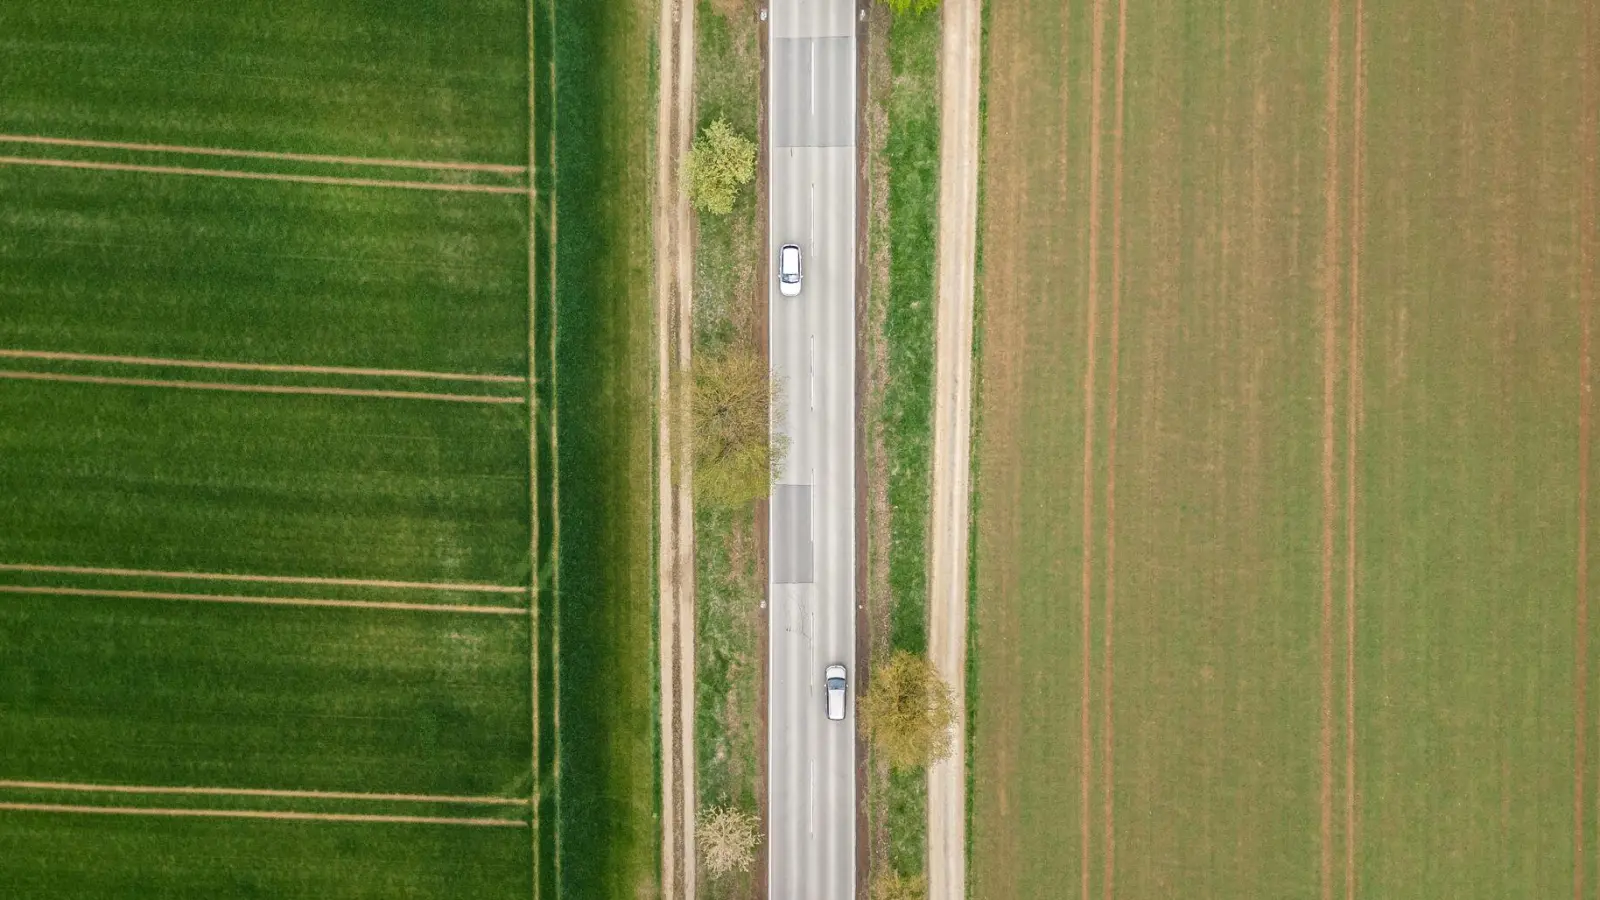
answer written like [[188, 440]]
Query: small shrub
[[720, 162], [908, 710]]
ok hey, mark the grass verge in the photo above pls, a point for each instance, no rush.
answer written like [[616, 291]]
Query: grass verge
[[728, 592], [907, 412]]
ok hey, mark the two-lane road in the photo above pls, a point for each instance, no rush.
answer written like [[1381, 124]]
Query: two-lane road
[[811, 764]]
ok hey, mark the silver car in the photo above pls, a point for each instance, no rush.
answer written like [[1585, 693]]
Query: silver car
[[789, 270], [834, 680]]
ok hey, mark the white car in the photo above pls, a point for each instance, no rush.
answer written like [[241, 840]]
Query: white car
[[833, 678], [789, 270]]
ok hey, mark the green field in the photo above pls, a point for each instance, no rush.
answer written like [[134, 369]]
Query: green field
[[1282, 565], [604, 348], [120, 263], [176, 859], [180, 521]]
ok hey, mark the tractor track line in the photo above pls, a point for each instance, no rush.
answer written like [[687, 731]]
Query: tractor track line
[[263, 176], [61, 356], [1588, 238], [259, 814], [1352, 428], [7, 784], [258, 388], [1086, 742], [1330, 288], [451, 587], [32, 590], [378, 162], [1108, 811]]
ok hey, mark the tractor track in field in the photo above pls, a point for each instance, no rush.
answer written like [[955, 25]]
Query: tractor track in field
[[184, 150], [1329, 313], [451, 587], [239, 174], [167, 363], [259, 814]]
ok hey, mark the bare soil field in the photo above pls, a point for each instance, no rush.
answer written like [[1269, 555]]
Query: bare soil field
[[1283, 469]]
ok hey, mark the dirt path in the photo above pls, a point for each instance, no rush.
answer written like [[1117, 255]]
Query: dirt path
[[674, 281], [263, 176], [952, 430]]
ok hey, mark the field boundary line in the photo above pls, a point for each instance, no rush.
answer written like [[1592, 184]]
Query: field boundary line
[[1108, 813], [1330, 288], [262, 176], [47, 591], [1353, 386], [451, 587], [257, 388], [259, 814], [64, 356], [379, 162], [9, 784]]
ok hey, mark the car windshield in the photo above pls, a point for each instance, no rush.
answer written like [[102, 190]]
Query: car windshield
[[836, 684]]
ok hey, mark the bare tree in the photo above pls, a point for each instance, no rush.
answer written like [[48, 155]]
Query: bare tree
[[732, 403], [728, 837], [907, 711]]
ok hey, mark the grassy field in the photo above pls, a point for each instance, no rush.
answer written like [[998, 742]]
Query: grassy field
[[607, 767], [1281, 579], [253, 508], [413, 79], [203, 860]]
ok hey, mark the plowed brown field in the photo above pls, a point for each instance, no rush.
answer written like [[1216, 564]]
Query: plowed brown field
[[1284, 454]]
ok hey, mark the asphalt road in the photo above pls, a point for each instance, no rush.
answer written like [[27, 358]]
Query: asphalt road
[[811, 764]]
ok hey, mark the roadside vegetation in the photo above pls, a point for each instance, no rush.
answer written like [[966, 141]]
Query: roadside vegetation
[[908, 711], [728, 590], [731, 404], [721, 162], [606, 809], [905, 411]]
